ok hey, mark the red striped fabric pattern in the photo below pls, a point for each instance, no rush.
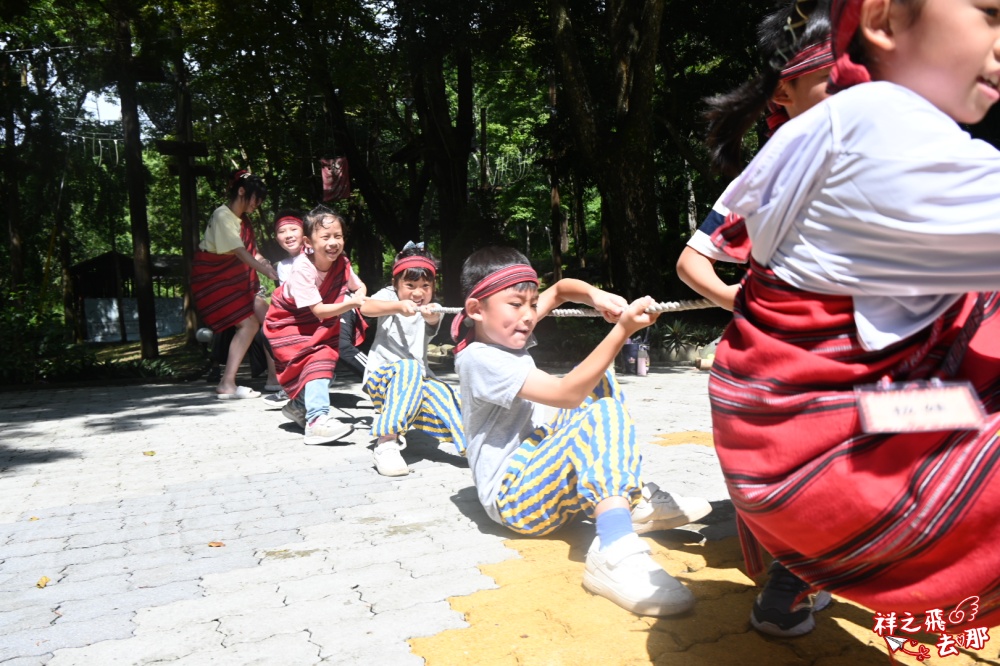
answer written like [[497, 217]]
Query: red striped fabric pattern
[[224, 288], [904, 522], [304, 347]]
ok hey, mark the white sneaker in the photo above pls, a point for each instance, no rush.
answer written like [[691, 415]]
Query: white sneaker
[[388, 460], [660, 510], [628, 576], [324, 428]]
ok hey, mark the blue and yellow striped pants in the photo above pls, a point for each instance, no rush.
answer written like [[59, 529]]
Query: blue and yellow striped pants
[[404, 399], [584, 455]]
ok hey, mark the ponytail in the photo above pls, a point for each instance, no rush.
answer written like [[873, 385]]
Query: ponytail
[[781, 36], [731, 115]]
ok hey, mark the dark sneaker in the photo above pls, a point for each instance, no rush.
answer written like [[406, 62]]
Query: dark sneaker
[[294, 413], [775, 611], [276, 399]]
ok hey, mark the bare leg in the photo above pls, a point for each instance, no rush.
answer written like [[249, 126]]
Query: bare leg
[[245, 330]]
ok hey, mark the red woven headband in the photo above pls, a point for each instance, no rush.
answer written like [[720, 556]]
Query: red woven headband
[[845, 18], [491, 284], [237, 177], [287, 219], [414, 261], [808, 60]]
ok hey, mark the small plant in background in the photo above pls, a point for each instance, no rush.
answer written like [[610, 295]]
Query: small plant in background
[[33, 344], [671, 336], [704, 334], [677, 335], [35, 349]]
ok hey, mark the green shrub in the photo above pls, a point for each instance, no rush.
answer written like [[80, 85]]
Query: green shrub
[[34, 348]]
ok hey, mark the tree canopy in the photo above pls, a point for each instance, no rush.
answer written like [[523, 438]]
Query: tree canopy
[[569, 129]]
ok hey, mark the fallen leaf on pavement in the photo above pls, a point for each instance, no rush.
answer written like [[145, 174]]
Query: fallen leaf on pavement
[[42, 582], [149, 453]]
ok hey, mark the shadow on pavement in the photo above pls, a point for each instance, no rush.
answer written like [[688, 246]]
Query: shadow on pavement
[[11, 457]]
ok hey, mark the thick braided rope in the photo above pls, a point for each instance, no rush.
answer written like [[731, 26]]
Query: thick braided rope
[[666, 306]]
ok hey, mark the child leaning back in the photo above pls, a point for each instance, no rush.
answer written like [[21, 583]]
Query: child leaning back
[[533, 475], [303, 324], [404, 390]]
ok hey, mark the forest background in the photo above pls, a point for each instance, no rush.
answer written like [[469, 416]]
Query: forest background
[[570, 129]]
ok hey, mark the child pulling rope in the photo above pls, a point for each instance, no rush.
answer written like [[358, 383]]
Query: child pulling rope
[[666, 306]]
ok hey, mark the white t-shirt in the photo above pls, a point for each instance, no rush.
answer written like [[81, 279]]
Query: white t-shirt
[[701, 240], [303, 283], [876, 194], [398, 337], [284, 269], [495, 420]]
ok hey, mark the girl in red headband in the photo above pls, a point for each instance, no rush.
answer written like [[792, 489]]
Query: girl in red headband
[[855, 396], [796, 50], [535, 471], [224, 279], [405, 392], [795, 46], [303, 325]]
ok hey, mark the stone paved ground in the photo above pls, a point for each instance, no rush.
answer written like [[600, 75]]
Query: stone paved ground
[[174, 527]]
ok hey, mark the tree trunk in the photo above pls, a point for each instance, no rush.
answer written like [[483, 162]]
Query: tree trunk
[[448, 149], [618, 149], [11, 174], [188, 191], [378, 203], [579, 223], [134, 181]]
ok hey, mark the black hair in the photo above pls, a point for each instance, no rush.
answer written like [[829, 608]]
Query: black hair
[[290, 212], [731, 115], [413, 274], [318, 216], [253, 186], [488, 260]]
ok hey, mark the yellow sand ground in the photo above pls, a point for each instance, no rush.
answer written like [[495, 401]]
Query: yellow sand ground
[[541, 615]]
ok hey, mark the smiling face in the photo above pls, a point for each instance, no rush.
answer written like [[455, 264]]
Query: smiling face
[[420, 291], [327, 242], [506, 318], [290, 238], [948, 54]]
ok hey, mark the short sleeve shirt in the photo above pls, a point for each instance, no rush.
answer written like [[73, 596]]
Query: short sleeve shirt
[[701, 241], [222, 235], [305, 279], [496, 421], [877, 194], [399, 338]]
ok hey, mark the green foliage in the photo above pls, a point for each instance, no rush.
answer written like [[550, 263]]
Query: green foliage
[[675, 335], [33, 345], [35, 348]]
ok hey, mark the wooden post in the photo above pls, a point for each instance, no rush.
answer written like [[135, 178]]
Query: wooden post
[[134, 180], [189, 194]]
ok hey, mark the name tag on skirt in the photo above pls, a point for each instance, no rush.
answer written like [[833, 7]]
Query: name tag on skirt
[[924, 406]]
